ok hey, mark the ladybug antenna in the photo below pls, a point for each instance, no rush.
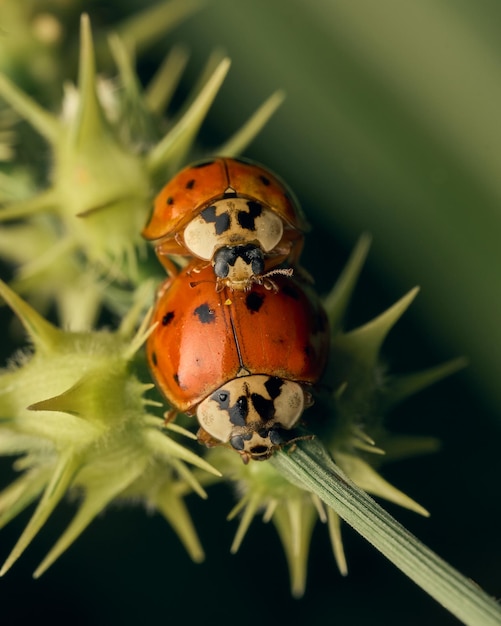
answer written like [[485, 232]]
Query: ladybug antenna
[[282, 271], [268, 283]]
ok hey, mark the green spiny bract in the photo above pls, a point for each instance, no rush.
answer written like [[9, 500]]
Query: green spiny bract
[[111, 150], [73, 412]]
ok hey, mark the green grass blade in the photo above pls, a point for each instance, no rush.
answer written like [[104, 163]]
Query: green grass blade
[[310, 467]]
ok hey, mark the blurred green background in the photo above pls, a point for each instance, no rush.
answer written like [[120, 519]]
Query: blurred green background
[[392, 125]]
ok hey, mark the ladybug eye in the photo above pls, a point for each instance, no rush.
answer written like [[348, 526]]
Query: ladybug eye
[[221, 268], [257, 267], [223, 258], [276, 437], [222, 397], [254, 257], [237, 442]]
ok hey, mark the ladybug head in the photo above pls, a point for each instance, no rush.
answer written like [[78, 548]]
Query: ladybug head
[[253, 413], [238, 265]]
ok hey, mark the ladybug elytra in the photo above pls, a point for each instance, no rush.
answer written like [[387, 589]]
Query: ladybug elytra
[[243, 361]]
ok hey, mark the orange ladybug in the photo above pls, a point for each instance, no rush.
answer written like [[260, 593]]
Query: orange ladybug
[[244, 362], [231, 213]]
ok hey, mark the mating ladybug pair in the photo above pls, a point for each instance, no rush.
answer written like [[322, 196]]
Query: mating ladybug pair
[[238, 340]]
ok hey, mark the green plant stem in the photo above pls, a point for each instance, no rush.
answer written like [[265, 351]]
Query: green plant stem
[[310, 467]]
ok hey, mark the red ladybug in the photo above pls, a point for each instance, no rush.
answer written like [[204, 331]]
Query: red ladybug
[[231, 213], [244, 362]]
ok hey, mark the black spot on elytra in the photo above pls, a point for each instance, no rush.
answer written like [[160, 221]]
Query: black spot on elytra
[[264, 180], [190, 184], [154, 358], [167, 318], [170, 200], [221, 222], [274, 386], [254, 301], [205, 314], [289, 290], [176, 379], [247, 219]]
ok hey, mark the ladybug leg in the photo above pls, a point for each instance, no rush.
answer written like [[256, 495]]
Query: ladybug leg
[[205, 439], [198, 267], [292, 445], [163, 287], [169, 416], [295, 253], [245, 456], [167, 263], [293, 246], [166, 252]]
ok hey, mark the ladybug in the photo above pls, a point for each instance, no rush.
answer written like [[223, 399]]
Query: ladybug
[[231, 213], [243, 362]]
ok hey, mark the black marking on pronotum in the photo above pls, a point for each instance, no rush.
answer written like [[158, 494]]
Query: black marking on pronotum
[[239, 411], [190, 184], [176, 379], [154, 358], [265, 408], [254, 301], [274, 386], [205, 314], [222, 397], [167, 318], [264, 180], [221, 222], [247, 219], [170, 200]]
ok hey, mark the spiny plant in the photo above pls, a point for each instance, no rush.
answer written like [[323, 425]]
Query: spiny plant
[[77, 408]]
